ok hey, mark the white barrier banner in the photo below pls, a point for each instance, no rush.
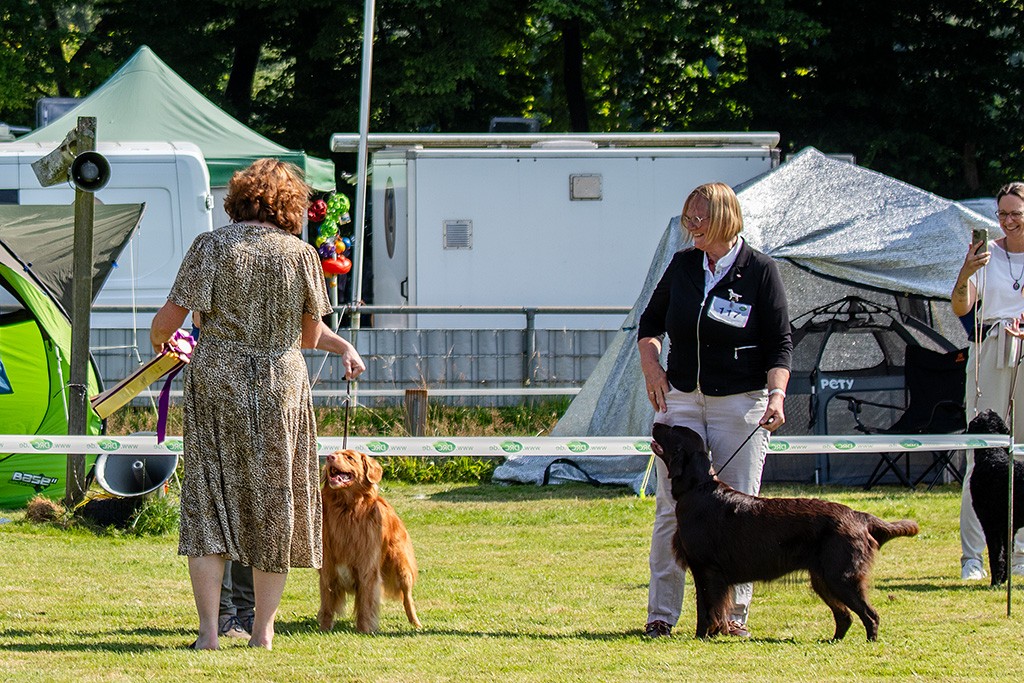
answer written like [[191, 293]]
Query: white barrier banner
[[546, 446]]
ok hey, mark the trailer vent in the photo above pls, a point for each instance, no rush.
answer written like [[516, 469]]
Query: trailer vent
[[585, 187], [458, 234]]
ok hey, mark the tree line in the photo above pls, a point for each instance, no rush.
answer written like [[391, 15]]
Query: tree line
[[928, 91]]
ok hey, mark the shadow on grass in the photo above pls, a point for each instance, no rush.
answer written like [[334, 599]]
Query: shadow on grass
[[527, 492], [488, 492], [346, 628], [127, 640], [942, 583], [94, 641]]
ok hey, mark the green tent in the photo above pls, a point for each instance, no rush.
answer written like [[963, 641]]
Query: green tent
[[146, 101], [35, 334]]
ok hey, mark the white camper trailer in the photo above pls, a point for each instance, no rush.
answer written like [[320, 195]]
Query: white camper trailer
[[170, 178], [529, 220]]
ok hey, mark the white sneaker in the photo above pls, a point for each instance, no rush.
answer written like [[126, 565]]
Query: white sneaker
[[972, 571]]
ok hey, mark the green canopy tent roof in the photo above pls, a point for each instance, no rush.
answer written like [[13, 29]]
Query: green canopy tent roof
[[147, 101]]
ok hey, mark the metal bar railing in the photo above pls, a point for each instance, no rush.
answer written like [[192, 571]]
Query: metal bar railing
[[413, 310], [530, 359]]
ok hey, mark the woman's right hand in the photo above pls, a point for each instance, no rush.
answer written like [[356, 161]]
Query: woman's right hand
[[964, 295], [655, 376], [352, 362], [977, 258], [657, 388]]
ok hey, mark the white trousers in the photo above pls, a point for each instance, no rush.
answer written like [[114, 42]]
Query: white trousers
[[996, 364], [724, 422]]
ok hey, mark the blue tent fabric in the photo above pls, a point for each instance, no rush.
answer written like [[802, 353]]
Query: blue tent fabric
[[5, 383]]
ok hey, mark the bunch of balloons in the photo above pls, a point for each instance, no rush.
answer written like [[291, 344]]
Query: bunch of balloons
[[331, 215]]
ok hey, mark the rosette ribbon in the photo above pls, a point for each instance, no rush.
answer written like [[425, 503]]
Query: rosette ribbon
[[179, 345]]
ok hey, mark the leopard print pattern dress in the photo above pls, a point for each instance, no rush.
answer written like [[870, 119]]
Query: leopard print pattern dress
[[251, 484]]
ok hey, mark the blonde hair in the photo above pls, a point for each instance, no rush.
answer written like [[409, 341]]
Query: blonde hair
[[725, 220], [269, 191]]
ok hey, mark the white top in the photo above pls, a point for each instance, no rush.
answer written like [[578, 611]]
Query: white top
[[1000, 301], [722, 267]]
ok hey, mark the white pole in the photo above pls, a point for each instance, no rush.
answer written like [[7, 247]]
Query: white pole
[[364, 131]]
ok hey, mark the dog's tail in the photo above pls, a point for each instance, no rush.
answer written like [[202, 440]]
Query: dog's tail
[[883, 531]]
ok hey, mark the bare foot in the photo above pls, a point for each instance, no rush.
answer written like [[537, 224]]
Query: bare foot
[[199, 644]]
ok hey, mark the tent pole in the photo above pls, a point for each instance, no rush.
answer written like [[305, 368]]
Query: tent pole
[[81, 298]]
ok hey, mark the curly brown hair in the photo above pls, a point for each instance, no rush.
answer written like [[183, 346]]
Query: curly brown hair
[[269, 191]]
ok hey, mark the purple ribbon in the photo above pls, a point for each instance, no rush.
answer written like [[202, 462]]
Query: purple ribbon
[[181, 345]]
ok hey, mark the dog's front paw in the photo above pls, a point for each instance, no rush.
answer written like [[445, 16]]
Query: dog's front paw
[[368, 626], [326, 621]]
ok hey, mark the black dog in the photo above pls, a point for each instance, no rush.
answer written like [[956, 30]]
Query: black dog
[[726, 537], [988, 493]]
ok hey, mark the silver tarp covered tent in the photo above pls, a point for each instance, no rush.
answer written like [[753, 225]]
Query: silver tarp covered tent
[[836, 229]]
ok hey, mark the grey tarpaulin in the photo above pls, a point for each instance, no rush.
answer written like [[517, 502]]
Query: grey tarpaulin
[[42, 239], [836, 229]]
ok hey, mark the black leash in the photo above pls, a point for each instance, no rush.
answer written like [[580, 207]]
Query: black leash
[[749, 436]]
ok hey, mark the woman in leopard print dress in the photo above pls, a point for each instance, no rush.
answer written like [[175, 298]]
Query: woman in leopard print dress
[[251, 487]]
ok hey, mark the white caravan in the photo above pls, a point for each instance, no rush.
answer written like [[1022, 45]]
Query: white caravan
[[529, 220], [173, 182]]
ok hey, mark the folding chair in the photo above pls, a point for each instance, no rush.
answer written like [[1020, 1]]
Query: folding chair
[[935, 386]]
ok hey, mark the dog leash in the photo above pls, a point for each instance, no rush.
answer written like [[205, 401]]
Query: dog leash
[[348, 404], [749, 436]]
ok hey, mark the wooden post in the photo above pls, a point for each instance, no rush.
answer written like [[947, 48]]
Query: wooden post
[[81, 298], [416, 412]]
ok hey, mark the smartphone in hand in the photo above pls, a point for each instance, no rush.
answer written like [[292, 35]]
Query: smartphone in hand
[[980, 235]]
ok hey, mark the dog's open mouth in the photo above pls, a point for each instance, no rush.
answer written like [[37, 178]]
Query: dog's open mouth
[[337, 479]]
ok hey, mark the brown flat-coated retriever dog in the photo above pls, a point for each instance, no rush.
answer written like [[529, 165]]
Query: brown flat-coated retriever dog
[[367, 549], [726, 537]]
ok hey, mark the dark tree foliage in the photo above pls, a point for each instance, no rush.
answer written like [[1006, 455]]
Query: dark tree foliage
[[928, 91], [48, 49], [922, 90], [448, 66]]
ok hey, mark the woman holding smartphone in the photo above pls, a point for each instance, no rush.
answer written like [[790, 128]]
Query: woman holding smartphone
[[992, 277]]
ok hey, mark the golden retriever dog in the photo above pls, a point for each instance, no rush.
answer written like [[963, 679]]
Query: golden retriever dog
[[367, 549]]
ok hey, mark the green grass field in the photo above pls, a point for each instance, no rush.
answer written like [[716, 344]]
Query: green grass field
[[516, 584]]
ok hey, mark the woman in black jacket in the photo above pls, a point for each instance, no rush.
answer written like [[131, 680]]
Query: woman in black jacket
[[723, 307]]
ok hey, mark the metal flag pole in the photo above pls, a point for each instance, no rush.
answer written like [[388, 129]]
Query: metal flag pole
[[359, 228]]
